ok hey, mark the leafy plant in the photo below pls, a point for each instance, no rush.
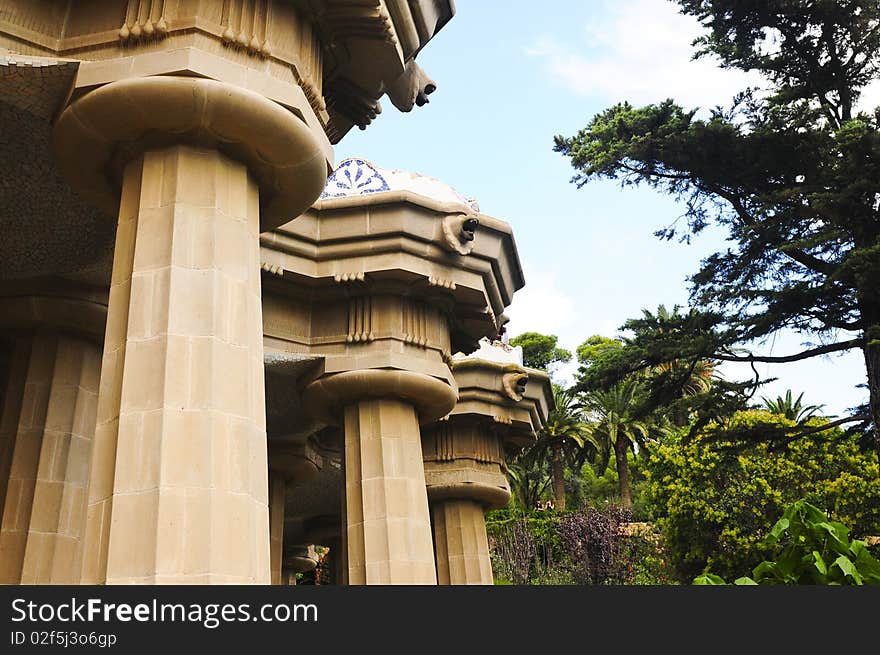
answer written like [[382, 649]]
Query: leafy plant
[[585, 547], [715, 497], [619, 426], [811, 550], [791, 408]]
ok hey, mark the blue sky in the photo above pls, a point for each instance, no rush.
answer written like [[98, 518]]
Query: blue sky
[[510, 75]]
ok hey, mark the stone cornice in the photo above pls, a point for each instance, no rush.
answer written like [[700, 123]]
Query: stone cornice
[[539, 393], [399, 234], [485, 394]]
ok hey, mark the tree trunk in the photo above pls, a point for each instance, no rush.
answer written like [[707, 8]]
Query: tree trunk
[[558, 473], [621, 450], [869, 316], [872, 366]]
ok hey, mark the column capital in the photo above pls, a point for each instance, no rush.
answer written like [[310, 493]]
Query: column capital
[[300, 558], [294, 461], [328, 396], [55, 306], [463, 461], [96, 135]]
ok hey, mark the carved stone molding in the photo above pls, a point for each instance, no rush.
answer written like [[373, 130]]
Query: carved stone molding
[[246, 26], [360, 320], [446, 443], [412, 88], [327, 397], [352, 102], [415, 323], [144, 20], [359, 19]]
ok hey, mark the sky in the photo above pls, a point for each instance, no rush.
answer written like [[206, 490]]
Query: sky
[[510, 75]]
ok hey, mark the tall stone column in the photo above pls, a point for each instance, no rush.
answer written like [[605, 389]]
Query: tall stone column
[[464, 479], [290, 463], [338, 561], [389, 527], [189, 488], [387, 531], [277, 487], [17, 360], [179, 489], [54, 417]]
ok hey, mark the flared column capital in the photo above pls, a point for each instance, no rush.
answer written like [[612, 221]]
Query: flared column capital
[[295, 461], [96, 135], [328, 396]]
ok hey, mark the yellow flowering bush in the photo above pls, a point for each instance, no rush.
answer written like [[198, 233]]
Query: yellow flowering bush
[[715, 499]]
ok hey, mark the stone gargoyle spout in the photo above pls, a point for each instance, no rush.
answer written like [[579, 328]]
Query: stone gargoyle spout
[[514, 382], [459, 231], [412, 88]]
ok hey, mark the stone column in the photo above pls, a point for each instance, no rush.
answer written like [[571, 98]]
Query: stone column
[[464, 479], [338, 561], [387, 523], [17, 359], [190, 480], [179, 490], [389, 527], [290, 463], [277, 487], [461, 543], [44, 504]]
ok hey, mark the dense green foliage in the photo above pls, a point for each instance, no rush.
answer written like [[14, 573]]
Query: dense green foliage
[[717, 495], [565, 438], [619, 426], [809, 549], [791, 172], [540, 350], [591, 350]]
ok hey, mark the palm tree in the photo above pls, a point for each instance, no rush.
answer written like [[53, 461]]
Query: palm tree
[[619, 426], [791, 408], [528, 482], [562, 438]]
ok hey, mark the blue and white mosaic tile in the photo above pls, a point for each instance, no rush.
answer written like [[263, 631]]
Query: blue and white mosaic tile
[[354, 177]]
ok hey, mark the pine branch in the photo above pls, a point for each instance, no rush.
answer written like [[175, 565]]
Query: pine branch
[[806, 354]]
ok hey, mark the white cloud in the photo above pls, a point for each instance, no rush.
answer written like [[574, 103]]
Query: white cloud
[[640, 50], [541, 306], [870, 98]]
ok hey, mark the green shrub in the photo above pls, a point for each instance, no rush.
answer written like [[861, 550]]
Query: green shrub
[[714, 500], [809, 549]]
